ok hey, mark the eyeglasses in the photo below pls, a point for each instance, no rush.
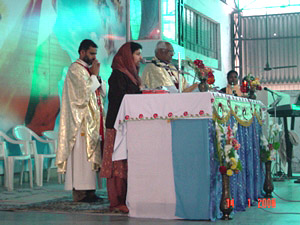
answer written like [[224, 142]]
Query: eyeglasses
[[169, 51]]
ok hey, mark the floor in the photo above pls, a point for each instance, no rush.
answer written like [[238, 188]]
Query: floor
[[287, 211]]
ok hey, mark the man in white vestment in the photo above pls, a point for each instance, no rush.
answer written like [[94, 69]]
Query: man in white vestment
[[162, 73], [79, 154]]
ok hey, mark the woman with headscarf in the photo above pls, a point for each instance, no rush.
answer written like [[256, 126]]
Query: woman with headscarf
[[123, 80]]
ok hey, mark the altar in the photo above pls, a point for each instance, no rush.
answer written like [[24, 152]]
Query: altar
[[169, 141]]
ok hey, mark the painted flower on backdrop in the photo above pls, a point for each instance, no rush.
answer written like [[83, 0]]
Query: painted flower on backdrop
[[227, 149], [269, 146], [202, 72]]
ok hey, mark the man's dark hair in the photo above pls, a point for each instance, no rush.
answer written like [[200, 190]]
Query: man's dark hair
[[230, 72], [135, 46], [86, 44]]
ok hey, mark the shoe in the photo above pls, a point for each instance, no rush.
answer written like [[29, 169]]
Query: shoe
[[120, 209], [94, 198]]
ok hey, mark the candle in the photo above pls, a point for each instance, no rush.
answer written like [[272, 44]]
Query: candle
[[179, 74]]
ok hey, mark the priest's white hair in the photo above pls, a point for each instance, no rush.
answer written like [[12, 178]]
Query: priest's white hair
[[161, 45]]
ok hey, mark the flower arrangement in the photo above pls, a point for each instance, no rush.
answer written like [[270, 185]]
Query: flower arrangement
[[227, 149], [250, 83], [269, 147], [203, 72]]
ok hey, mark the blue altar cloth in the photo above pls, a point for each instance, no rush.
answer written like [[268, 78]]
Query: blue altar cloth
[[191, 168], [195, 163]]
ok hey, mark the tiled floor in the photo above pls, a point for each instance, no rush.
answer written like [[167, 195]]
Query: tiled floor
[[286, 212]]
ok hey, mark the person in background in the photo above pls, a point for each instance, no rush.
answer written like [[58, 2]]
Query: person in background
[[79, 153], [124, 79], [232, 84], [161, 73]]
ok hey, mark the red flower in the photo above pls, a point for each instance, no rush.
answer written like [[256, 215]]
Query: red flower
[[259, 88], [201, 112], [170, 114], [141, 116], [223, 169], [220, 104], [212, 100], [270, 146], [185, 113], [126, 117], [245, 87], [199, 63], [155, 115], [210, 78]]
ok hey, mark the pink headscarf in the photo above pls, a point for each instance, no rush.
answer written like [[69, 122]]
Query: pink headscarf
[[123, 61]]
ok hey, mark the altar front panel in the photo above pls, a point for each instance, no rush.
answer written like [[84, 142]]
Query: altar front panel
[[168, 169]]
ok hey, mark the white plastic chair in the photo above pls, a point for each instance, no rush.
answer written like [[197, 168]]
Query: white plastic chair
[[9, 161], [53, 135], [21, 132]]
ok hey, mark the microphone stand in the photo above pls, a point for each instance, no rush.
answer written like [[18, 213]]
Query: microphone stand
[[280, 175], [232, 89], [180, 72]]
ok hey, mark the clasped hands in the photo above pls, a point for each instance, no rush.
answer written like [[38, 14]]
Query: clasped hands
[[95, 68]]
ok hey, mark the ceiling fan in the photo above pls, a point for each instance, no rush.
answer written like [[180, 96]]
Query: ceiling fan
[[267, 66]]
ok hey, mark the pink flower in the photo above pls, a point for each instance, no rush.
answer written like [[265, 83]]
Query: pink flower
[[201, 112], [234, 142], [141, 116], [126, 117], [185, 113], [155, 115], [237, 146], [170, 114], [212, 100]]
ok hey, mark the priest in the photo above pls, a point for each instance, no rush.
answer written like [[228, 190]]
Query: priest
[[81, 124]]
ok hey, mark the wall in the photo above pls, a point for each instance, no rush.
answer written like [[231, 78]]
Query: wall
[[219, 12], [39, 40]]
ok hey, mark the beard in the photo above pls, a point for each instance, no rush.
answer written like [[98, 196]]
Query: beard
[[87, 60]]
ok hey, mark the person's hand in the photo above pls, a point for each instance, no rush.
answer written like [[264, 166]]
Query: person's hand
[[95, 67], [191, 88]]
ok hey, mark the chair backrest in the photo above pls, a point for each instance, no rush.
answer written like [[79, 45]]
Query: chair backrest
[[24, 145], [51, 135], [3, 154], [21, 132]]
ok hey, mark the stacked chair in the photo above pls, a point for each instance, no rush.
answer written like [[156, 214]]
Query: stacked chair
[[9, 160], [53, 135], [30, 138]]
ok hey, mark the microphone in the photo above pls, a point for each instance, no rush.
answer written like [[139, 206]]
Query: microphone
[[276, 102], [271, 91]]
